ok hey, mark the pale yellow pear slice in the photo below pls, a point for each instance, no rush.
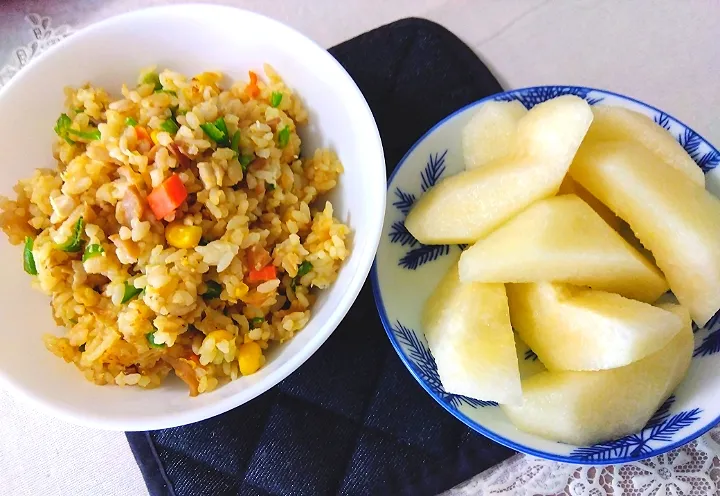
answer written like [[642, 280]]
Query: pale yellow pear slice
[[621, 124], [584, 408], [467, 327], [465, 207], [528, 363], [562, 239], [491, 133], [575, 328], [570, 187], [674, 218]]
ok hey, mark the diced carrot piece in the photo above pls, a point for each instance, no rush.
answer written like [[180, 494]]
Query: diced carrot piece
[[252, 88], [142, 134], [267, 273], [167, 197]]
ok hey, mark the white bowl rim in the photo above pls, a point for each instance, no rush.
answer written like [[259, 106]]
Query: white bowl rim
[[456, 413], [350, 293]]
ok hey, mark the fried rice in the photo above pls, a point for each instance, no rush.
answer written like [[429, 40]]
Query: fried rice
[[181, 230]]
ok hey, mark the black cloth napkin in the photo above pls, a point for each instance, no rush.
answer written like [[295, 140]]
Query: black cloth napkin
[[351, 420]]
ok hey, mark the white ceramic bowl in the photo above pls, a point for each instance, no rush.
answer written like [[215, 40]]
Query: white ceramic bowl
[[189, 39], [406, 272]]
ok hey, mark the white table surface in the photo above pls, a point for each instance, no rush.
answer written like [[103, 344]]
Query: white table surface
[[664, 51]]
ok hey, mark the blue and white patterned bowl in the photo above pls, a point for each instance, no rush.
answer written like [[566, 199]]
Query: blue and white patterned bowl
[[406, 272]]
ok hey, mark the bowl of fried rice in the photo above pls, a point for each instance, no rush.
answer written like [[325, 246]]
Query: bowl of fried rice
[[191, 200]]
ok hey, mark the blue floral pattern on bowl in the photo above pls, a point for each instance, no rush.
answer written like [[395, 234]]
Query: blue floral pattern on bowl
[[406, 272]]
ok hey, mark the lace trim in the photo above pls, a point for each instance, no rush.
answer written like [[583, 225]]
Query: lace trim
[[43, 37], [693, 470]]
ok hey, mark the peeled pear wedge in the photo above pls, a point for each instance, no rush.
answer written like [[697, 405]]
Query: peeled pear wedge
[[584, 408], [528, 366], [562, 239], [621, 124], [467, 327], [672, 216], [491, 133], [465, 207], [570, 187], [575, 328]]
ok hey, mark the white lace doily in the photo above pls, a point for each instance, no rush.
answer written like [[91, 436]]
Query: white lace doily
[[43, 36], [693, 470]]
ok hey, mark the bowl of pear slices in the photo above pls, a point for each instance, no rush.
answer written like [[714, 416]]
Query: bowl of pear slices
[[549, 272]]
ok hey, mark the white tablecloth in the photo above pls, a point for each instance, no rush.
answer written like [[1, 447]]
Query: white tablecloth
[[663, 51]]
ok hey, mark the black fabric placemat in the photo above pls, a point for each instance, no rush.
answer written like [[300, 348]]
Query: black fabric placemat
[[351, 420]]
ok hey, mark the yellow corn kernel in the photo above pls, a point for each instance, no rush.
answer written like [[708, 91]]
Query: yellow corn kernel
[[182, 236], [241, 290], [250, 358], [154, 135], [208, 77], [220, 335]]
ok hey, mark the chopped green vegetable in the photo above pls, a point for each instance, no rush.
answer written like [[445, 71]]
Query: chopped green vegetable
[[270, 186], [28, 258], [150, 336], [170, 126], [169, 92], [61, 127], [154, 79], [256, 322], [79, 110], [304, 268], [284, 137], [81, 348], [88, 135], [92, 251], [131, 122], [235, 143], [213, 290], [276, 98], [213, 132], [245, 161], [130, 292], [74, 243], [220, 124]]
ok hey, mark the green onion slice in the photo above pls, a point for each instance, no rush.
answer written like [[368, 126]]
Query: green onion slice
[[74, 243], [62, 125], [91, 135], [284, 137], [304, 268], [154, 79], [245, 161], [235, 143], [213, 132], [92, 251], [220, 124], [276, 98], [256, 322], [28, 258], [213, 290], [131, 122], [170, 126], [150, 336], [130, 292]]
